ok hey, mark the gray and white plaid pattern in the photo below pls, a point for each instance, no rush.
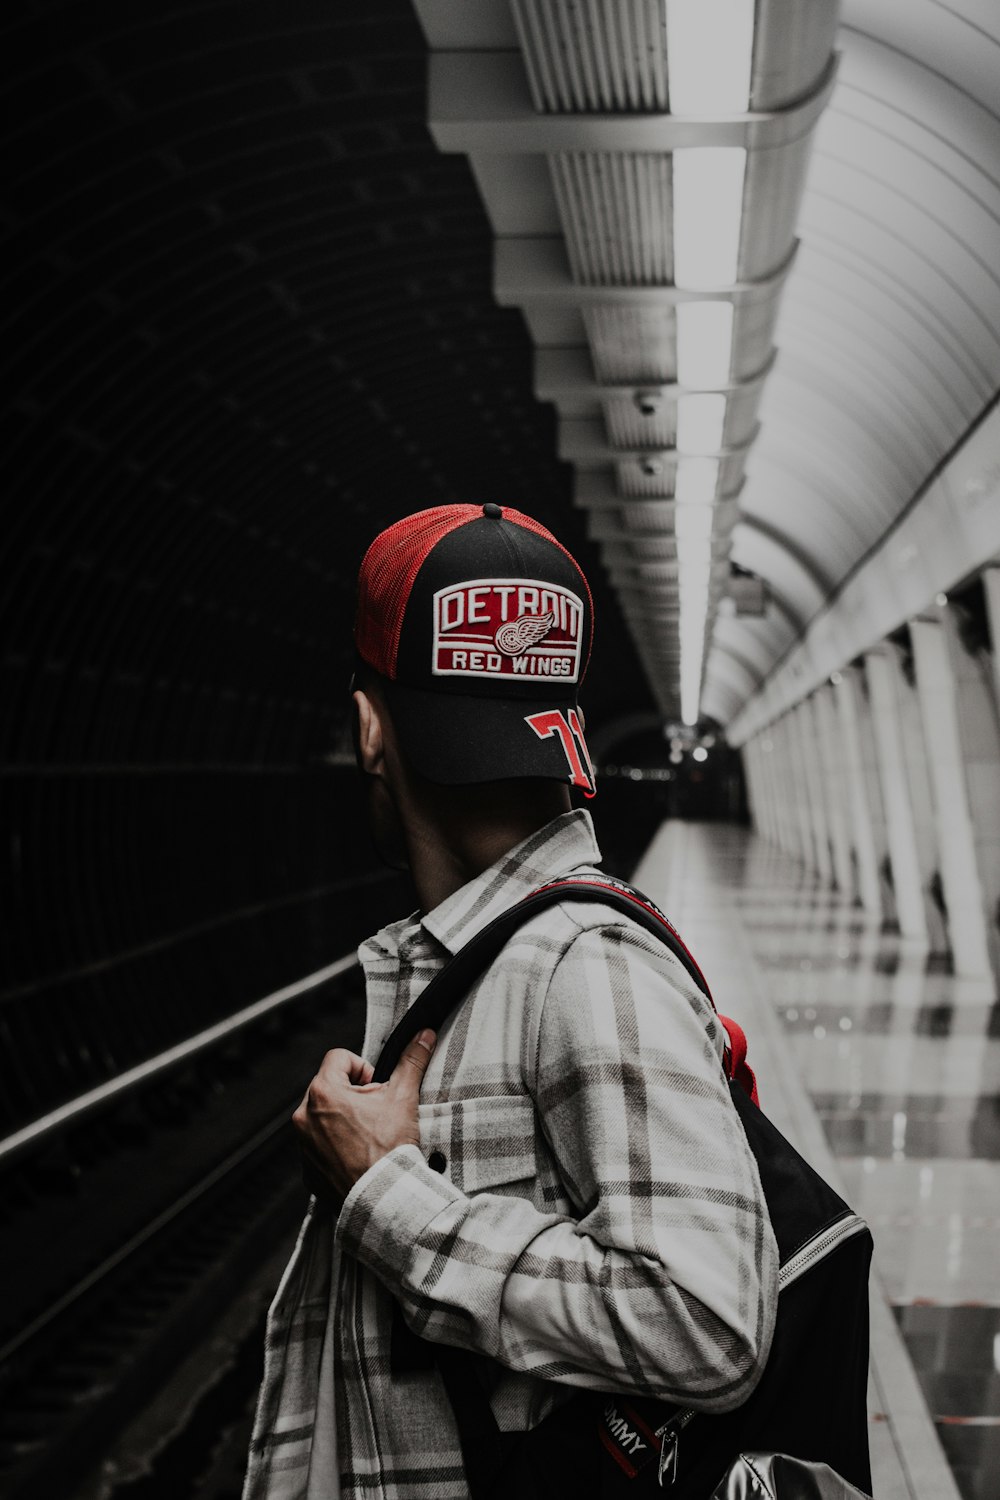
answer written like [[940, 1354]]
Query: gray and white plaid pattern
[[599, 1222]]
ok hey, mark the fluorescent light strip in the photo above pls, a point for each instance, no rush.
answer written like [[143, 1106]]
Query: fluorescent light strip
[[693, 528], [709, 56], [695, 562], [690, 696], [697, 481], [693, 523], [708, 211], [708, 215], [693, 618], [701, 421], [709, 69], [704, 344], [691, 658]]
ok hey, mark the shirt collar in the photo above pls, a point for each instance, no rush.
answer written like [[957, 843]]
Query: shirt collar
[[565, 844]]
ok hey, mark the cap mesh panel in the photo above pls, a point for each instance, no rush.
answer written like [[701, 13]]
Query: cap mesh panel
[[388, 570]]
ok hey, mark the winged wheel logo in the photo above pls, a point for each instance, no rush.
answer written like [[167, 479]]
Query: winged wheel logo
[[517, 635]]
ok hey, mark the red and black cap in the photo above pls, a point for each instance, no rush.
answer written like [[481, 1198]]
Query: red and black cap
[[480, 624]]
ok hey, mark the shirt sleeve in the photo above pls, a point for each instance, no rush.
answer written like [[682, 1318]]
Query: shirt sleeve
[[666, 1283]]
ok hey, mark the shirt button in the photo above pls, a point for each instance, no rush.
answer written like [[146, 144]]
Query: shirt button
[[437, 1161]]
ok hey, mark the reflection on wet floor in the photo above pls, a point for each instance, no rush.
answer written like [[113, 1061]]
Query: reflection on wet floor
[[902, 1062], [915, 1125], [957, 1352]]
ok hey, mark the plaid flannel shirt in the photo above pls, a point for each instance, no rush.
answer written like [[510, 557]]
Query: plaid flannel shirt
[[596, 1219]]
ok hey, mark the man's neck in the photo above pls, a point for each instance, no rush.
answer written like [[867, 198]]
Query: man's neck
[[442, 860]]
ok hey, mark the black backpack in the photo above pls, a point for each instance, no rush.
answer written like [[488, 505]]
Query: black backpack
[[810, 1401]]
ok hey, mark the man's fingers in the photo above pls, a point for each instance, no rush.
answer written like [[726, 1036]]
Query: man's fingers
[[338, 1071], [300, 1119], [340, 1066], [409, 1071], [357, 1070]]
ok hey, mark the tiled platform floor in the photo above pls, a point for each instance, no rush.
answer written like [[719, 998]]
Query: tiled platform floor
[[888, 1077]]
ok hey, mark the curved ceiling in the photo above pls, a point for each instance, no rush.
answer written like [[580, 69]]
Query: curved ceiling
[[600, 166], [889, 330]]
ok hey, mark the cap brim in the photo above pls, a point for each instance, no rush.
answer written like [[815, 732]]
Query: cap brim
[[459, 741]]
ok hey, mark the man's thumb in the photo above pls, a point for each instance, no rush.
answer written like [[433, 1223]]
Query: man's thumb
[[413, 1064]]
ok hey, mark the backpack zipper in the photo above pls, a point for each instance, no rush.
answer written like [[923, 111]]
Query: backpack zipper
[[819, 1247], [670, 1446]]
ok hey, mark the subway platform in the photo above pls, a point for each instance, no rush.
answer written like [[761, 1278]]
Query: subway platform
[[887, 1077], [882, 1068]]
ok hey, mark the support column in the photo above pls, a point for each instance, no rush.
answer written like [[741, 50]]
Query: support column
[[865, 820], [835, 781], [803, 831], [759, 810], [778, 775], [901, 830], [963, 892], [979, 724], [747, 761], [921, 793], [873, 780], [991, 588], [816, 799], [751, 777], [765, 757], [783, 776], [768, 760]]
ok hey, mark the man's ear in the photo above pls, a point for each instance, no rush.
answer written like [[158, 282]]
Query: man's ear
[[369, 739]]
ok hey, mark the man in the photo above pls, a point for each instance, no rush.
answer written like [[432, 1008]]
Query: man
[[559, 1182]]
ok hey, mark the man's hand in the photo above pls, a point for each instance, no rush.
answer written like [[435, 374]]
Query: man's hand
[[348, 1123]]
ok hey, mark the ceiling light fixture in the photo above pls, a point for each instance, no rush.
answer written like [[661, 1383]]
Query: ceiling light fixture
[[708, 214], [704, 344], [700, 423], [693, 523], [697, 481], [691, 630], [709, 56], [694, 567]]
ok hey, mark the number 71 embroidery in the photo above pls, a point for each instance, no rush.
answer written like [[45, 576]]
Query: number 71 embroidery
[[570, 731]]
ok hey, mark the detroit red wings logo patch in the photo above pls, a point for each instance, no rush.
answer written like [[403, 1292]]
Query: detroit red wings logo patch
[[514, 628]]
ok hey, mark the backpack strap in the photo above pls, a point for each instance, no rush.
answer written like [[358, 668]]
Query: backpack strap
[[450, 985]]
